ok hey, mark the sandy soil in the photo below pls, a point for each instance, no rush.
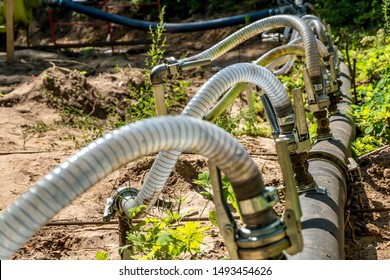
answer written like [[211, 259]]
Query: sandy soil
[[26, 157]]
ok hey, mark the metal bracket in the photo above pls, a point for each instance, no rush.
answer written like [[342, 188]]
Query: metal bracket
[[312, 188], [292, 213], [301, 131], [226, 223]]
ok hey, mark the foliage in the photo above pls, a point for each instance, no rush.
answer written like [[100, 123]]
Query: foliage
[[29, 131], [249, 121], [143, 105], [156, 50], [372, 113], [367, 14], [227, 190], [164, 238], [90, 127], [101, 256], [386, 14]]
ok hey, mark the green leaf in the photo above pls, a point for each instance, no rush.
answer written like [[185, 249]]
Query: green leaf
[[368, 130], [207, 195], [213, 218], [101, 255]]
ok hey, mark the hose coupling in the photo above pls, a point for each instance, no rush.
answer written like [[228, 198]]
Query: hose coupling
[[114, 204], [259, 203], [171, 68], [267, 242]]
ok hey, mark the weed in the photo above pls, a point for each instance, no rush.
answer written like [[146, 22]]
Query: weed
[[102, 256], [156, 50], [372, 113], [227, 121], [163, 238], [90, 127], [386, 16], [227, 190], [29, 131], [87, 52]]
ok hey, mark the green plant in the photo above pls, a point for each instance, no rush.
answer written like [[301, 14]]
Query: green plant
[[141, 99], [358, 12], [102, 256], [163, 238], [29, 131], [372, 112], [254, 125], [90, 127], [156, 50], [87, 51], [227, 121], [386, 16], [227, 190]]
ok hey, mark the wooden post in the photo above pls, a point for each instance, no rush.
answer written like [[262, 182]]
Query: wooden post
[[10, 31]]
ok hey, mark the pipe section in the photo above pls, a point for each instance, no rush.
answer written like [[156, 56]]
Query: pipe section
[[323, 214], [168, 27], [198, 107], [24, 217]]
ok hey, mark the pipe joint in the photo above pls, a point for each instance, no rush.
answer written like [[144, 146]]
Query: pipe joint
[[259, 203], [114, 204], [158, 74]]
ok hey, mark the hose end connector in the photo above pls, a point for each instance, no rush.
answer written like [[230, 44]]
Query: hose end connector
[[120, 202]]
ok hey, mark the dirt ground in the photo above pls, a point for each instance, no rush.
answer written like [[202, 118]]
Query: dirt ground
[[25, 158]]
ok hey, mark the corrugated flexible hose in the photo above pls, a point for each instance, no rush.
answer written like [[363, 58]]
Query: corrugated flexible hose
[[24, 217], [199, 105]]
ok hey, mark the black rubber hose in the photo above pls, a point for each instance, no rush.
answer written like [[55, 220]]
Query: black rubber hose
[[169, 27]]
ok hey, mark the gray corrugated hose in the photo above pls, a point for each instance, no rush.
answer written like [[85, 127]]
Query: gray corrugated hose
[[267, 60], [251, 30], [24, 217], [274, 58], [323, 51], [199, 105]]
